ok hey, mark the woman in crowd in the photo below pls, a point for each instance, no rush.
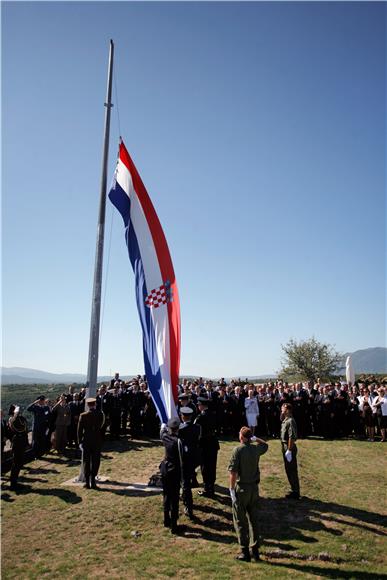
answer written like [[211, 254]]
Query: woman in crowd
[[380, 406], [252, 411]]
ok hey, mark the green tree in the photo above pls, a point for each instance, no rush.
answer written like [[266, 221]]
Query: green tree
[[309, 360]]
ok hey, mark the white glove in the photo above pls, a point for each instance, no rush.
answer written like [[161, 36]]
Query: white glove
[[288, 455], [163, 426], [232, 495], [253, 438], [81, 446]]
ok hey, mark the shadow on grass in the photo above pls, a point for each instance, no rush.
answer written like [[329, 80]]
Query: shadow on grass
[[283, 520], [33, 479], [207, 509], [63, 494], [126, 444], [5, 496], [210, 533], [39, 470], [326, 572], [121, 489]]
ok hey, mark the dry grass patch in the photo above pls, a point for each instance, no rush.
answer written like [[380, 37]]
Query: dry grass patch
[[338, 529]]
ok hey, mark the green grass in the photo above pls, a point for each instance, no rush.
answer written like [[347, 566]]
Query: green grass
[[336, 531]]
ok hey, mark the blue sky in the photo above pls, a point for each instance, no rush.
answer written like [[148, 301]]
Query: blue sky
[[259, 130]]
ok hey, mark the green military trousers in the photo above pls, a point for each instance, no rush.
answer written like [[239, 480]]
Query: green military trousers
[[245, 510], [291, 468]]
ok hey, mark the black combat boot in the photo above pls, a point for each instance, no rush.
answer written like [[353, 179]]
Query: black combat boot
[[93, 485], [255, 553], [189, 513], [174, 527], [244, 555], [292, 495]]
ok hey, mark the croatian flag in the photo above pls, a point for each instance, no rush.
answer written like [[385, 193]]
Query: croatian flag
[[156, 289]]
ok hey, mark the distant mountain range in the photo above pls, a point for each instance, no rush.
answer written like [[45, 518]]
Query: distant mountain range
[[369, 360]]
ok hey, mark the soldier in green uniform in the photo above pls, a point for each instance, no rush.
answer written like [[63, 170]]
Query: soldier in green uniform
[[289, 449], [244, 479]]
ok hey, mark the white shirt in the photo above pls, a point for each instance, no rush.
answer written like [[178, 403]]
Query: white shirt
[[383, 406], [251, 406]]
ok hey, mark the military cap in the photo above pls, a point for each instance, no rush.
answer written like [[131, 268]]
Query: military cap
[[203, 400], [91, 400], [184, 396], [186, 411], [173, 423], [41, 398]]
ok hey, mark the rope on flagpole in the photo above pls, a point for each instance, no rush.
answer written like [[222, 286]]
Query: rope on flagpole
[[117, 104], [107, 268], [117, 108]]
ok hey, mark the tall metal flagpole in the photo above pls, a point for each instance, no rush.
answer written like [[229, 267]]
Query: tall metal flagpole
[[92, 370]]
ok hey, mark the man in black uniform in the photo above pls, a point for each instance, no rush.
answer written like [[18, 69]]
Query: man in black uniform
[[40, 426], [18, 434], [189, 435], [90, 437], [115, 412], [170, 469], [185, 401], [209, 447]]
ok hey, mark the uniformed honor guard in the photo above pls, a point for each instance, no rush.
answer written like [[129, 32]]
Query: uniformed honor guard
[[90, 437], [40, 426], [244, 479], [171, 470], [189, 434], [18, 435], [209, 447], [289, 449]]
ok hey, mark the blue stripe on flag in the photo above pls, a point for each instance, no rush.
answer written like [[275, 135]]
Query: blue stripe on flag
[[152, 368]]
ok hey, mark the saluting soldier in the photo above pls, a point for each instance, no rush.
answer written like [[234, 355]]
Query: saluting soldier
[[189, 434], [171, 469], [40, 426], [289, 449], [90, 437], [18, 435], [244, 480], [209, 447]]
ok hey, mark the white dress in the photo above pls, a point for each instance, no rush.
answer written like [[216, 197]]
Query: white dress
[[252, 412]]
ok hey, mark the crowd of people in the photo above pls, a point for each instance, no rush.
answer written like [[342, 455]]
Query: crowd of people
[[328, 410]]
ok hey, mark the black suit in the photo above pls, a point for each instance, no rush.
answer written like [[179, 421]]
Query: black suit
[[209, 447], [18, 434], [170, 469], [189, 435]]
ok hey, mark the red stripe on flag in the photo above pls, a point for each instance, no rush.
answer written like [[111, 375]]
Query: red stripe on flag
[[165, 262]]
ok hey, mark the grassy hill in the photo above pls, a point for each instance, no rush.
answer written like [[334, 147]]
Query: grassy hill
[[338, 529]]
